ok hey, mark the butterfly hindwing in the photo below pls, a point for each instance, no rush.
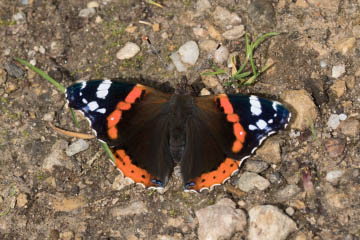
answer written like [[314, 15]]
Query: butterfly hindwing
[[223, 131], [133, 120]]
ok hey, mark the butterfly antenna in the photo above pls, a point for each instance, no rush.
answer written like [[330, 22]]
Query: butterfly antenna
[[154, 50]]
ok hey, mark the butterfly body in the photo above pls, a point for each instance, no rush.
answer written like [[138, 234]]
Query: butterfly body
[[150, 131]]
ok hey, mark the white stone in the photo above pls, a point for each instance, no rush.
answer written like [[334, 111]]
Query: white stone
[[93, 4], [338, 70], [128, 51], [221, 54], [175, 58], [76, 147], [333, 176], [189, 52], [334, 121], [87, 12]]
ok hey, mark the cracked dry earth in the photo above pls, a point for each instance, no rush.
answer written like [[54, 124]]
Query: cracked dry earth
[[302, 184]]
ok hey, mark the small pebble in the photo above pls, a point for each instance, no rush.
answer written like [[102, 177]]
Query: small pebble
[[333, 176], [205, 92], [19, 17], [338, 71], [156, 27], [234, 33], [128, 51], [93, 4], [335, 147], [76, 147], [256, 166], [208, 45], [87, 12], [350, 127], [189, 52], [200, 32], [323, 64], [221, 54], [290, 211], [334, 121], [224, 17], [175, 58], [202, 5], [287, 193], [249, 181], [274, 177], [42, 50]]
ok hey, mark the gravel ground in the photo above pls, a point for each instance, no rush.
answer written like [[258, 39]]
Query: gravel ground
[[302, 184]]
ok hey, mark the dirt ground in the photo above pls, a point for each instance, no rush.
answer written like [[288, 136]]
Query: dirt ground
[[84, 197]]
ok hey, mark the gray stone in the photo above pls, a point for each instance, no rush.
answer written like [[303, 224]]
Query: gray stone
[[128, 51], [203, 5], [249, 181], [180, 66], [234, 33], [224, 17], [76, 147], [220, 221], [221, 54], [87, 12], [256, 166], [287, 193], [269, 223]]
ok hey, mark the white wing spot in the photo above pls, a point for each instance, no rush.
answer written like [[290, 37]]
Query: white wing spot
[[261, 124], [252, 127], [275, 104], [93, 106], [84, 101], [83, 85], [102, 90], [275, 114], [270, 121], [255, 105], [101, 110], [102, 94]]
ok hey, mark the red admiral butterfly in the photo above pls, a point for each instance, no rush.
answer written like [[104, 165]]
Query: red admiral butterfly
[[150, 131]]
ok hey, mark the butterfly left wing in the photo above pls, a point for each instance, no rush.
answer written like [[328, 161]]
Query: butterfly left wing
[[223, 131], [133, 120]]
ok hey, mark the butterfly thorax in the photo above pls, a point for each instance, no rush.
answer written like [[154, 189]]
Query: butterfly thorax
[[180, 111]]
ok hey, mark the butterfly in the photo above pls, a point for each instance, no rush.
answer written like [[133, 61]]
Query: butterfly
[[150, 132]]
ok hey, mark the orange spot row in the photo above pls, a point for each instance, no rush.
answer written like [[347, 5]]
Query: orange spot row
[[232, 117], [217, 176], [114, 118], [139, 175]]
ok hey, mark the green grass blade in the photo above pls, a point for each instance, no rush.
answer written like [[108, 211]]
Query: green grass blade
[[42, 74], [108, 151], [51, 80], [221, 71], [262, 38], [74, 117]]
